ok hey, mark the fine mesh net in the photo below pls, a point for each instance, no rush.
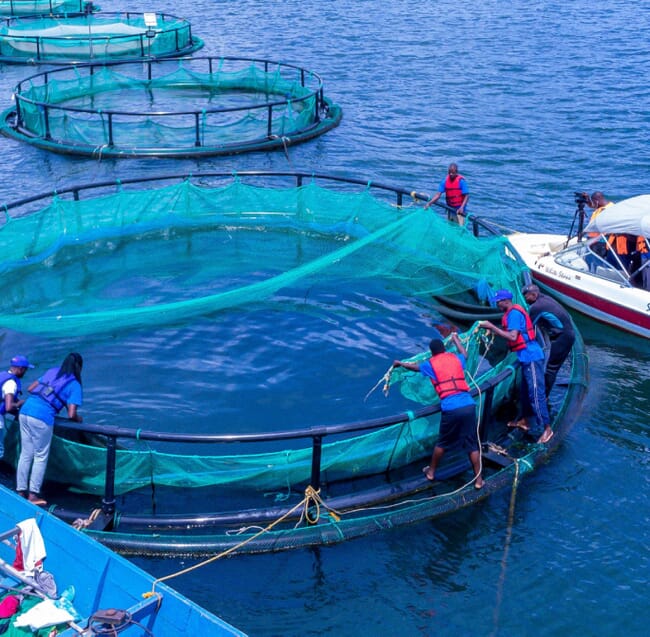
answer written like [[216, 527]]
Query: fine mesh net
[[143, 464], [39, 7], [99, 36], [183, 105], [255, 247], [336, 237]]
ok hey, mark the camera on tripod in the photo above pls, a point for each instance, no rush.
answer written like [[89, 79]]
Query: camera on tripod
[[581, 198]]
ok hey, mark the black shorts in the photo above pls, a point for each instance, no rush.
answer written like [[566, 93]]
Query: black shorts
[[458, 429]]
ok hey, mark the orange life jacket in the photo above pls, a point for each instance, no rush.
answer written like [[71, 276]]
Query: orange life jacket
[[594, 214], [620, 243], [521, 341], [450, 378], [453, 193]]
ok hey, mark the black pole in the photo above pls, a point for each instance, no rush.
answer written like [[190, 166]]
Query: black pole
[[108, 503], [315, 462]]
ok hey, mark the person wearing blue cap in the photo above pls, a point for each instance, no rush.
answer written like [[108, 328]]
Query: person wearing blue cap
[[458, 424], [58, 387], [11, 390], [519, 332]]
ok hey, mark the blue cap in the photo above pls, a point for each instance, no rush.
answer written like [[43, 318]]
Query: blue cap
[[20, 361], [502, 295]]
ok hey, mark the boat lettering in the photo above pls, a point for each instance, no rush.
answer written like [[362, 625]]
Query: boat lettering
[[647, 308]]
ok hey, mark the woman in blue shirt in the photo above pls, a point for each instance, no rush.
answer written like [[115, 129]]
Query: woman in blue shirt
[[59, 387]]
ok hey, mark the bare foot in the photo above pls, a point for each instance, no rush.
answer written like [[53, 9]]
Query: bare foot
[[522, 424], [478, 483], [428, 473], [546, 436]]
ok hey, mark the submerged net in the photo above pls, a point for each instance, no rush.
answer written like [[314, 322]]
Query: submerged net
[[250, 247], [185, 104], [99, 36]]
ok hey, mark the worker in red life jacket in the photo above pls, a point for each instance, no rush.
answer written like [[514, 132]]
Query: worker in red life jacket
[[458, 424], [519, 332], [456, 190]]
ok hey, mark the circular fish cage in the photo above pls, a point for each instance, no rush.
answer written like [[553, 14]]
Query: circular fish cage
[[185, 107], [141, 261], [45, 7], [103, 36]]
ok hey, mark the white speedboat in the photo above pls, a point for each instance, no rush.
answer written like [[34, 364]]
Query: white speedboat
[[585, 272]]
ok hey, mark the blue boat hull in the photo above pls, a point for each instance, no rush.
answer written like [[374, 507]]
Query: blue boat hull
[[104, 580]]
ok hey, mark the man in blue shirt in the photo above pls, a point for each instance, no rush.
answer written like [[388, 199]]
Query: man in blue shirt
[[456, 190], [458, 424], [518, 331]]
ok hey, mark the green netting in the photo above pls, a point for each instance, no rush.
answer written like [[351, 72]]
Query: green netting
[[83, 466], [412, 250], [172, 104], [40, 7], [61, 257], [95, 36]]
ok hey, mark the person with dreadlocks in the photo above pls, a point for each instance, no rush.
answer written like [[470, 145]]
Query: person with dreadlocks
[[58, 387], [445, 370]]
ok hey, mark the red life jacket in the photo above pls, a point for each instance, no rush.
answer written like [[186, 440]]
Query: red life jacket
[[521, 341], [453, 193], [450, 378]]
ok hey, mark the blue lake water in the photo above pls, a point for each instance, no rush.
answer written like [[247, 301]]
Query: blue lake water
[[534, 100]]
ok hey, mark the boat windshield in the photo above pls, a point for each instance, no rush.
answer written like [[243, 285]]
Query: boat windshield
[[595, 258]]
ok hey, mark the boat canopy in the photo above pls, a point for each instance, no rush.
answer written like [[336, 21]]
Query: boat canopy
[[630, 216]]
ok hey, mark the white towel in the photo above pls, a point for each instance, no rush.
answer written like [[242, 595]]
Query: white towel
[[45, 613], [32, 545]]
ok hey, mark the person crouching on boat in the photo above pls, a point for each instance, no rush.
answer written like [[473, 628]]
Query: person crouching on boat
[[545, 311], [519, 332], [458, 410], [59, 387]]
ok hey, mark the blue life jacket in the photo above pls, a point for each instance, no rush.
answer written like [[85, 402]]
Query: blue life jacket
[[4, 377], [49, 386]]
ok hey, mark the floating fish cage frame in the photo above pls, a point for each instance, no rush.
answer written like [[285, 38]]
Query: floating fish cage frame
[[85, 37], [338, 481], [185, 107], [45, 7]]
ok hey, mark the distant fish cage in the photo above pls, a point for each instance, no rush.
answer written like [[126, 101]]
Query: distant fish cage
[[177, 108], [85, 37], [45, 7]]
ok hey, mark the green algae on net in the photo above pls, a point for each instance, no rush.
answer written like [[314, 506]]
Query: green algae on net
[[74, 258]]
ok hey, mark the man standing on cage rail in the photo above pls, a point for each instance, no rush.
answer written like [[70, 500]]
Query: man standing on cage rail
[[458, 424], [456, 192]]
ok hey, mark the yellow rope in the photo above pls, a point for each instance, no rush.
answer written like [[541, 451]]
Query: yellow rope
[[310, 495], [80, 523]]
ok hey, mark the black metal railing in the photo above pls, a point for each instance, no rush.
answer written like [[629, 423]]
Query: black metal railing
[[312, 101], [113, 434]]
